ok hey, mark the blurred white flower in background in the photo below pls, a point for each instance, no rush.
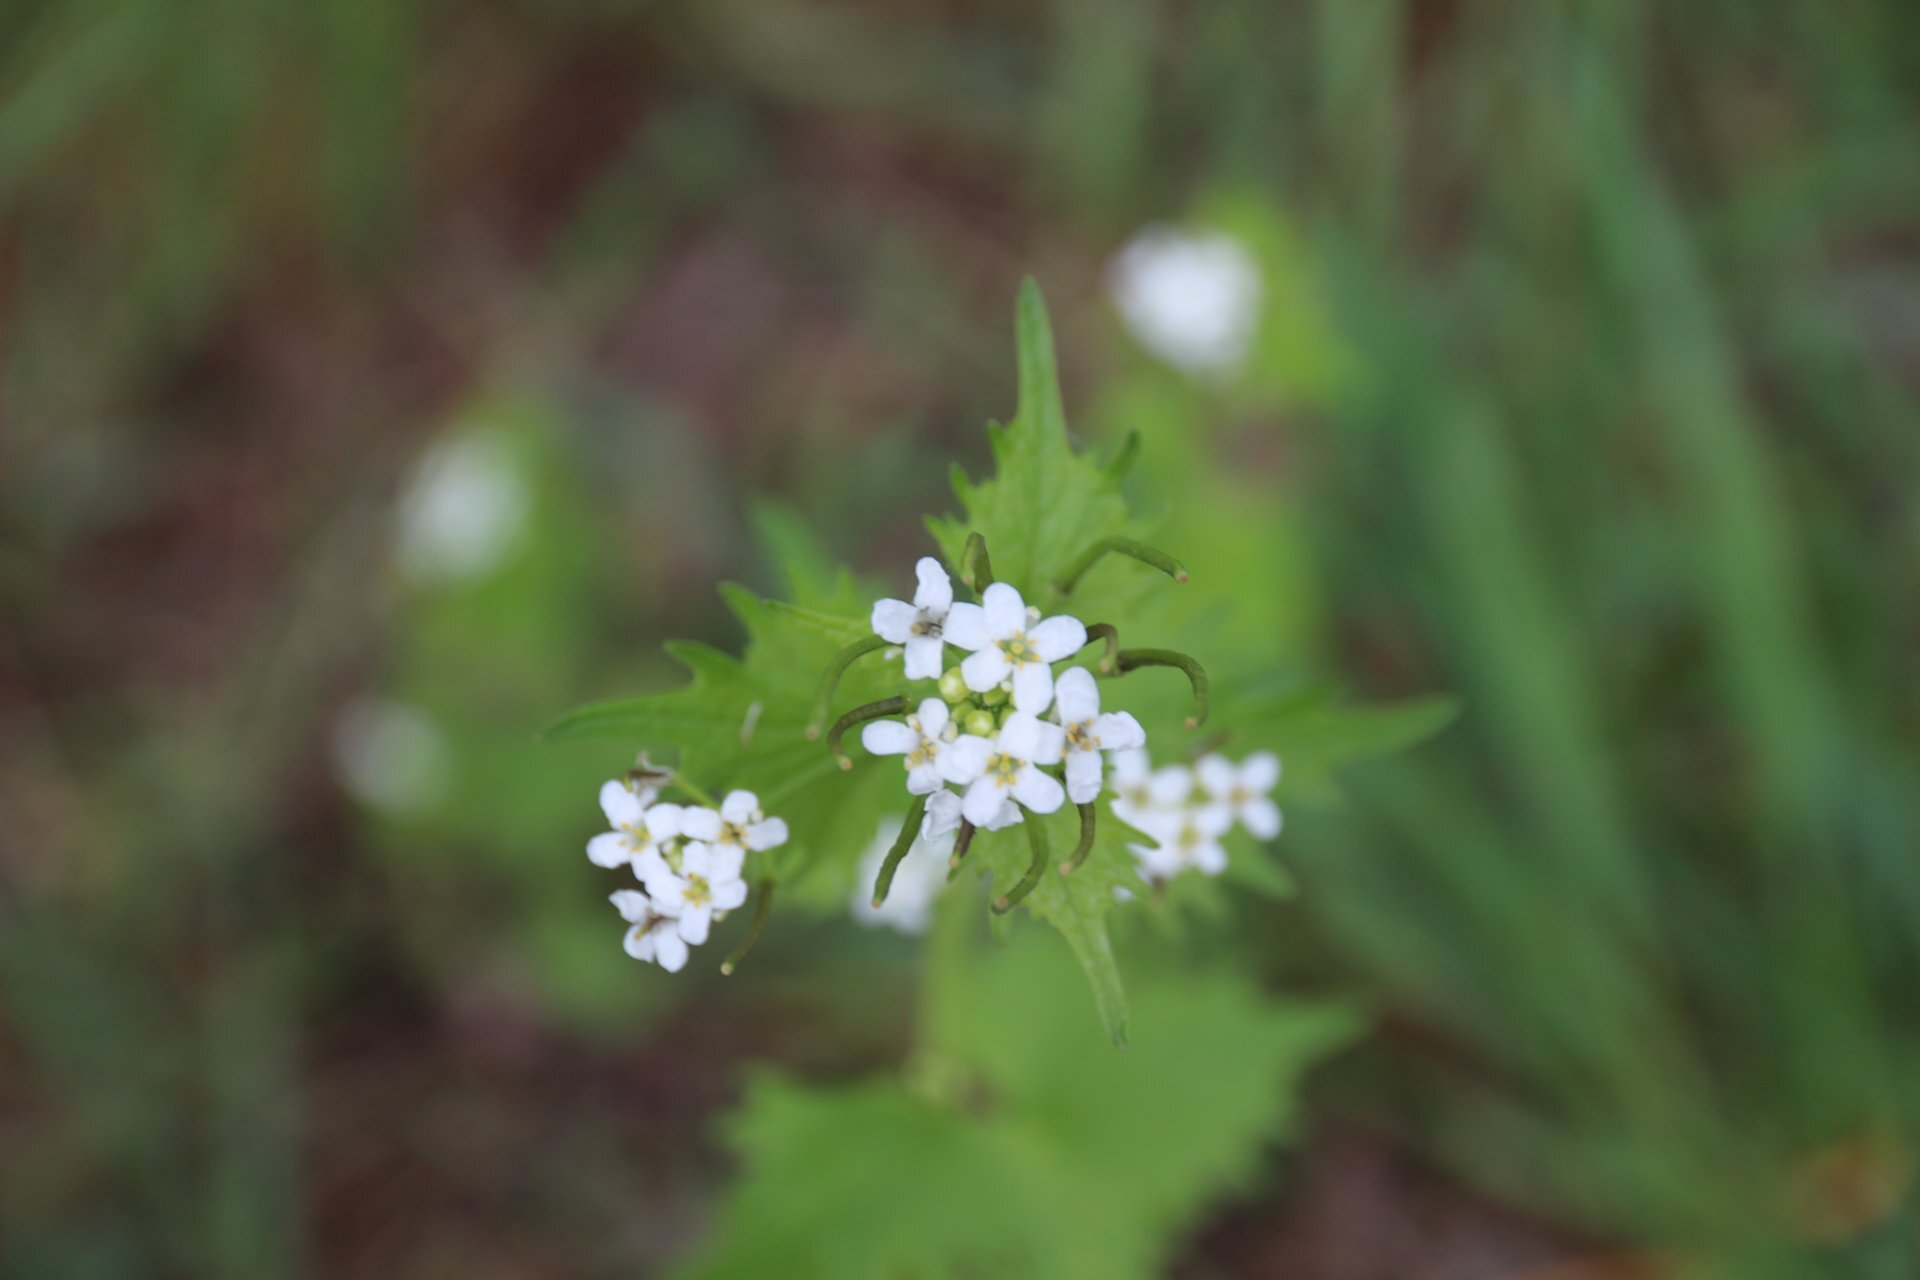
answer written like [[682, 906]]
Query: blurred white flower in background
[[462, 511], [917, 881], [390, 756], [1191, 297]]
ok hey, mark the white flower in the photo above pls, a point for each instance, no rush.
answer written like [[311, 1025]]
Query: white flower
[[1009, 774], [917, 881], [918, 626], [1186, 838], [1005, 643], [932, 760], [1242, 790], [1089, 733], [640, 827], [1144, 796], [1192, 298], [739, 824], [654, 936], [708, 881], [943, 815]]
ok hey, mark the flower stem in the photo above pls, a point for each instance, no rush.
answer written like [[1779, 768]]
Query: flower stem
[[682, 782], [976, 570], [871, 711], [1037, 837], [1081, 850], [909, 832], [1105, 631], [1133, 659], [761, 906], [830, 679], [962, 841], [1127, 547]]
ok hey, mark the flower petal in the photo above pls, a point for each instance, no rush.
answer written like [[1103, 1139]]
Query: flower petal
[[1118, 731], [1260, 772], [1130, 767], [924, 656], [665, 821], [1049, 743], [1216, 776], [669, 950], [893, 620], [1036, 790], [740, 808], [729, 895], [1210, 858], [610, 849], [649, 862], [668, 891], [630, 903], [1083, 776], [924, 779], [639, 942], [619, 802], [1261, 818], [965, 758], [888, 737], [943, 813], [982, 802], [723, 862], [1077, 695], [700, 824], [1010, 815], [1032, 687], [1170, 786], [935, 593], [933, 716], [1058, 638], [1019, 735], [694, 924], [985, 669], [966, 627], [767, 834], [1006, 611], [696, 859]]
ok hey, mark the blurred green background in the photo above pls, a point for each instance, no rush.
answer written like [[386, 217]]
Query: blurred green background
[[380, 377]]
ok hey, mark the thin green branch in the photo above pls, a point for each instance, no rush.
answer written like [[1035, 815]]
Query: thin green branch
[[1127, 547], [909, 832], [763, 904], [683, 783], [1081, 850], [1036, 837], [830, 680], [1107, 632], [860, 715], [1134, 659]]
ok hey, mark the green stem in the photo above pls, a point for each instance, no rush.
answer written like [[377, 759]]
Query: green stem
[[859, 715], [1036, 837], [1127, 547], [962, 841], [1105, 631], [976, 570], [1081, 850], [909, 832], [761, 907], [1134, 659], [694, 789], [830, 679]]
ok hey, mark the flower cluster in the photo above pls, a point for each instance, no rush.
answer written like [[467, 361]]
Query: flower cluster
[[687, 858], [1188, 811], [1001, 719]]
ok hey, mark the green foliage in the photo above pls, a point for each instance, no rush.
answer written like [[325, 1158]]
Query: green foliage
[[1018, 1146]]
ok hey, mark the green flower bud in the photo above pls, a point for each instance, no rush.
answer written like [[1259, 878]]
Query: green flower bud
[[996, 696], [953, 686], [982, 722]]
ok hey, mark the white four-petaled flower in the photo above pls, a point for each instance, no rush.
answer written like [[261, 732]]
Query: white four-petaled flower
[[707, 881], [1088, 732], [739, 824], [1009, 777], [919, 627], [1185, 838], [932, 758], [1242, 790], [640, 827], [654, 936], [1005, 643]]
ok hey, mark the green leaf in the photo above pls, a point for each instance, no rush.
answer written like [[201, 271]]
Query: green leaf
[[1020, 1146]]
